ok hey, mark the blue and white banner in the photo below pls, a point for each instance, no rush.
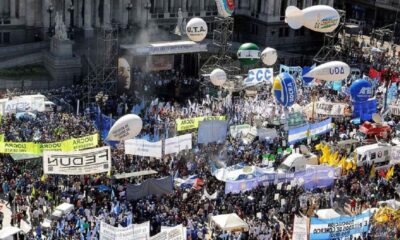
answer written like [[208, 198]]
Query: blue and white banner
[[298, 134], [339, 228], [321, 127], [315, 129], [319, 176], [258, 76], [297, 70]]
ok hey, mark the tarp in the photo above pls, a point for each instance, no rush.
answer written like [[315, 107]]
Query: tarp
[[229, 222], [326, 213], [212, 131], [150, 187], [135, 174]]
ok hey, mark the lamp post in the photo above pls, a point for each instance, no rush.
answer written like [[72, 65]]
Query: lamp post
[[71, 20], [50, 10], [147, 6], [129, 7], [101, 100]]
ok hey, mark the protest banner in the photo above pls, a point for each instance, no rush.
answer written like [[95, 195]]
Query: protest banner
[[212, 131], [193, 123], [171, 233], [394, 110], [140, 147], [132, 232], [239, 129], [395, 155], [339, 228], [177, 144], [25, 103], [331, 109], [73, 144], [83, 162]]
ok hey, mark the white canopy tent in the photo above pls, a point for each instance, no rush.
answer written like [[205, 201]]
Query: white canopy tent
[[326, 213], [7, 233], [229, 222]]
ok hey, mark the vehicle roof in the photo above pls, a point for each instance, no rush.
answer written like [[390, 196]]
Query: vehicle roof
[[372, 146]]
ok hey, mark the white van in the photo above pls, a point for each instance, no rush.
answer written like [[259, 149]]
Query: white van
[[11, 233], [297, 162], [378, 154]]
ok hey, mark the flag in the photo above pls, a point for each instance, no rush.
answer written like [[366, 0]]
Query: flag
[[390, 173], [33, 192], [372, 174], [333, 159], [43, 178]]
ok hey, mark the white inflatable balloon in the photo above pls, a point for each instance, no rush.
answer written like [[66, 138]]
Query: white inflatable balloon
[[269, 56], [319, 18], [127, 127], [196, 29], [330, 71], [218, 77]]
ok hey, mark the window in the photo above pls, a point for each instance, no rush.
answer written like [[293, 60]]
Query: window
[[315, 2], [299, 4], [6, 37], [254, 29], [373, 156], [286, 32], [280, 32], [283, 9], [386, 152], [259, 6]]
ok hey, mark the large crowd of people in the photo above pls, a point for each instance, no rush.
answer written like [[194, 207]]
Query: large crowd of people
[[32, 196]]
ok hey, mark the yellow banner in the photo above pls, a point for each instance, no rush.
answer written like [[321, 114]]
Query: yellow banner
[[73, 144], [193, 123]]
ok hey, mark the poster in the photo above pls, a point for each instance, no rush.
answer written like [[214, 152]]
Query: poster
[[300, 228], [177, 144], [331, 109], [140, 147], [92, 161]]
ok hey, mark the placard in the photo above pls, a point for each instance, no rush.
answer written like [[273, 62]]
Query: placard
[[92, 161], [177, 144], [140, 147]]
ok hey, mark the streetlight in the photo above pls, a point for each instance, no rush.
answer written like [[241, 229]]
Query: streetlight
[[147, 6], [129, 7], [50, 10], [71, 19]]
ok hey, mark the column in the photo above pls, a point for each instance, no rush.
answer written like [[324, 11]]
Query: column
[[124, 13], [88, 15], [67, 13], [30, 17], [12, 9], [202, 8], [97, 13], [22, 5], [184, 4], [262, 7], [166, 6], [107, 13], [45, 14], [172, 6]]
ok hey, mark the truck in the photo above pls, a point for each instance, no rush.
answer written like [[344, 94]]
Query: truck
[[297, 162], [378, 154], [370, 132]]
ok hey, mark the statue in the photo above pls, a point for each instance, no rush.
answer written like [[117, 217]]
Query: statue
[[180, 28], [60, 29]]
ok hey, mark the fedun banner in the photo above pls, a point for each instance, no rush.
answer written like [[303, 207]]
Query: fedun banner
[[73, 144], [92, 161], [193, 123]]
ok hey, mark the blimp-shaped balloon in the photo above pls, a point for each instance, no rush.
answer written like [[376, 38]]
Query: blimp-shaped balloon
[[127, 127], [361, 90], [269, 56], [285, 89], [248, 54], [225, 7], [196, 29], [319, 18], [218, 77], [330, 71]]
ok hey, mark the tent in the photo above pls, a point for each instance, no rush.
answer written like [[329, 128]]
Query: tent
[[392, 203], [9, 232], [62, 209], [326, 213], [229, 222]]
